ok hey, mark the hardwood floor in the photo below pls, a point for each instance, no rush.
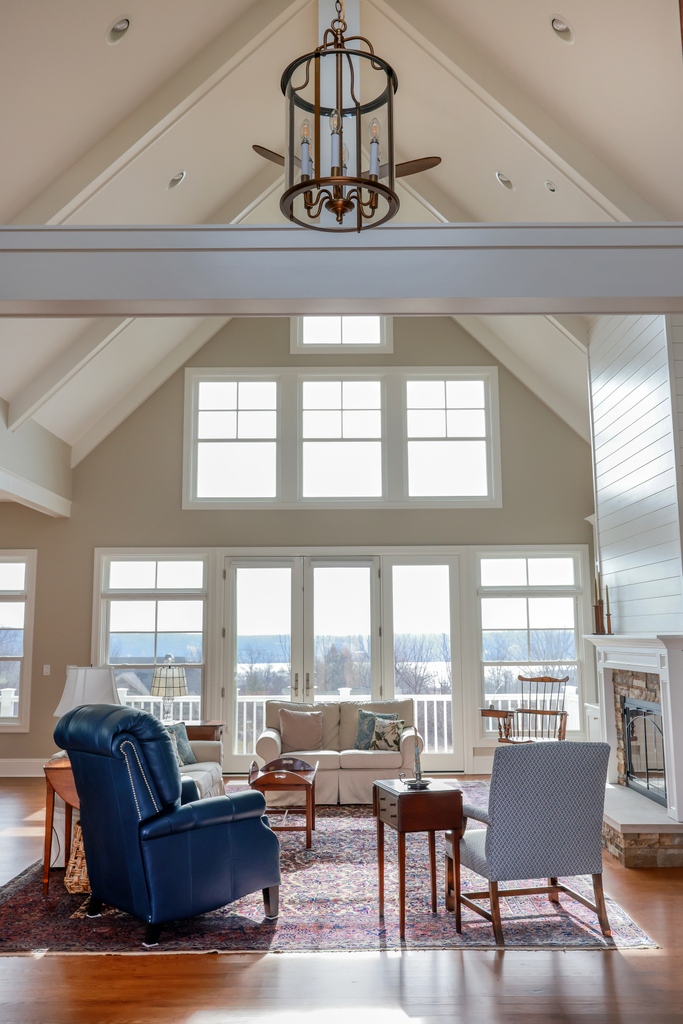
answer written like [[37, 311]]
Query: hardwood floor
[[475, 986]]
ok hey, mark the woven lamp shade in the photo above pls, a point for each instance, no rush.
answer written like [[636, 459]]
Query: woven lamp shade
[[169, 681]]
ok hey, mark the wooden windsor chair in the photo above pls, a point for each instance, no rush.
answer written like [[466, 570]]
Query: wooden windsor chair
[[541, 714]]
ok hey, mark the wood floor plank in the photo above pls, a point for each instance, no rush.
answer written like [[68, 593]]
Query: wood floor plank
[[420, 987]]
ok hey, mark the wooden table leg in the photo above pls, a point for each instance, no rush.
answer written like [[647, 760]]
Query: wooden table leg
[[309, 817], [49, 820], [68, 811], [313, 806], [456, 883], [380, 863], [432, 866], [402, 884]]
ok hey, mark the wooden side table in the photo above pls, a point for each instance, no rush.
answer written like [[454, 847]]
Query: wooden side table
[[436, 809], [284, 774], [204, 730], [59, 779]]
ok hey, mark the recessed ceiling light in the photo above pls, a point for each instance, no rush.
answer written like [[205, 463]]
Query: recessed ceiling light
[[177, 178], [118, 30], [504, 180], [562, 29], [551, 186]]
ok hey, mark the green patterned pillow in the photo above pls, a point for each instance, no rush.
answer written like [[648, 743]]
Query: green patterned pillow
[[185, 754], [366, 728], [387, 735]]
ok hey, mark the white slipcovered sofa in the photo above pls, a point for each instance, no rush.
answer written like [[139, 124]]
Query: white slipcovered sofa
[[207, 773], [345, 775]]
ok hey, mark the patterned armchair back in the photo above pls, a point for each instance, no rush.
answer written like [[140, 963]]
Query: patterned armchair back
[[546, 805]]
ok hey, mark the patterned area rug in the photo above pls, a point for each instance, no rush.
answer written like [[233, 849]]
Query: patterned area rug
[[328, 901]]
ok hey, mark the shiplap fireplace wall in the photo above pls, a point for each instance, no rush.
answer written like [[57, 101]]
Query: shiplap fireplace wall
[[636, 396]]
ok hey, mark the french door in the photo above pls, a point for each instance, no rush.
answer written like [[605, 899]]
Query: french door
[[314, 629], [304, 629]]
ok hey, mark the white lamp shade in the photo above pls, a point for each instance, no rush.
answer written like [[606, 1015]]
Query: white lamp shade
[[87, 686]]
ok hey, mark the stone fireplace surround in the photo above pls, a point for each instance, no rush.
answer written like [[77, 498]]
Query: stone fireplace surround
[[636, 830]]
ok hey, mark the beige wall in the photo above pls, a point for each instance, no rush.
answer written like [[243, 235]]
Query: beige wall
[[128, 493]]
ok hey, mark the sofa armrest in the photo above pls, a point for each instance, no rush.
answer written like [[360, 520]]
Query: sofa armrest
[[407, 746], [478, 813], [269, 745], [214, 810], [208, 750]]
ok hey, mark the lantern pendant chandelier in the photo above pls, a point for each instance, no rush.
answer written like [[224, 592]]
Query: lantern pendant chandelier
[[334, 177]]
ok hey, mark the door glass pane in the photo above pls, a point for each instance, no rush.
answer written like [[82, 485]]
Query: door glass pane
[[422, 649], [263, 608], [341, 632]]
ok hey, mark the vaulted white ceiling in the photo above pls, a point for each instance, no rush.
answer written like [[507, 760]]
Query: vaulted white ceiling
[[92, 133]]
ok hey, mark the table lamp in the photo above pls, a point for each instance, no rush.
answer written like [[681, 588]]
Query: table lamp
[[168, 681], [87, 686]]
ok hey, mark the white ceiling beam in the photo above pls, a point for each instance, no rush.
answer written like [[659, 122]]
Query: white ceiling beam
[[404, 270], [34, 468], [156, 115], [52, 379], [146, 386], [517, 110]]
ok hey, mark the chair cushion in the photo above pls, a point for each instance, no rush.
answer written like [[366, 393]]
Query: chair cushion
[[301, 730], [182, 744], [365, 733], [370, 759]]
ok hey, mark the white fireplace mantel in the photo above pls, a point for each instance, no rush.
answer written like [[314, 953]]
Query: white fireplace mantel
[[662, 655]]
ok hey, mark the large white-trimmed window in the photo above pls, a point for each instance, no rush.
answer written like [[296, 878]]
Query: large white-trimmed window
[[338, 437], [532, 616], [17, 590], [153, 611], [347, 334]]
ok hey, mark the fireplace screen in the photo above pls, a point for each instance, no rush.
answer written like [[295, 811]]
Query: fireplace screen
[[645, 748]]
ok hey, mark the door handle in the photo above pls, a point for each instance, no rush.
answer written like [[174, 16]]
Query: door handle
[[308, 683], [296, 684]]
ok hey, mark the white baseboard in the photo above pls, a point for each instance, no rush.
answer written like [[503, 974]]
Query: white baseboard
[[22, 767]]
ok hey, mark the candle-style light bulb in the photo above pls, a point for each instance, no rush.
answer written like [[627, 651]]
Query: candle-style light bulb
[[335, 138], [374, 147], [305, 148]]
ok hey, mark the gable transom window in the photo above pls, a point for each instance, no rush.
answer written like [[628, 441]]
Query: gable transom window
[[343, 333], [403, 437]]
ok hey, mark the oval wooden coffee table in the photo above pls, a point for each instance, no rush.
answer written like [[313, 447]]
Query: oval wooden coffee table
[[284, 774]]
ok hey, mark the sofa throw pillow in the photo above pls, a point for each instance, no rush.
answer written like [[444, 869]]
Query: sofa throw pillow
[[387, 735], [185, 754], [174, 741], [366, 727], [301, 730]]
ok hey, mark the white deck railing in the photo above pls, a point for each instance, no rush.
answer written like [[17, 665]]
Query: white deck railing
[[433, 713]]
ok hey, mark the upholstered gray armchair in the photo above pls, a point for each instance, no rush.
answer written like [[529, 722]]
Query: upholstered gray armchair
[[544, 820]]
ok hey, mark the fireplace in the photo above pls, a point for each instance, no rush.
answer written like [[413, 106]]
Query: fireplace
[[644, 748]]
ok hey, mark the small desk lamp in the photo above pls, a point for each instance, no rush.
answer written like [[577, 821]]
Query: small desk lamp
[[168, 681]]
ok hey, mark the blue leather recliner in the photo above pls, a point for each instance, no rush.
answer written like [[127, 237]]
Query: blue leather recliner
[[147, 852]]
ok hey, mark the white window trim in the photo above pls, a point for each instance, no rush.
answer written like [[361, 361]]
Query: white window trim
[[297, 347], [212, 610], [580, 590], [394, 436], [22, 722]]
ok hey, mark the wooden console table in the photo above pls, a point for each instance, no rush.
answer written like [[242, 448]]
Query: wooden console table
[[436, 809], [59, 779]]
